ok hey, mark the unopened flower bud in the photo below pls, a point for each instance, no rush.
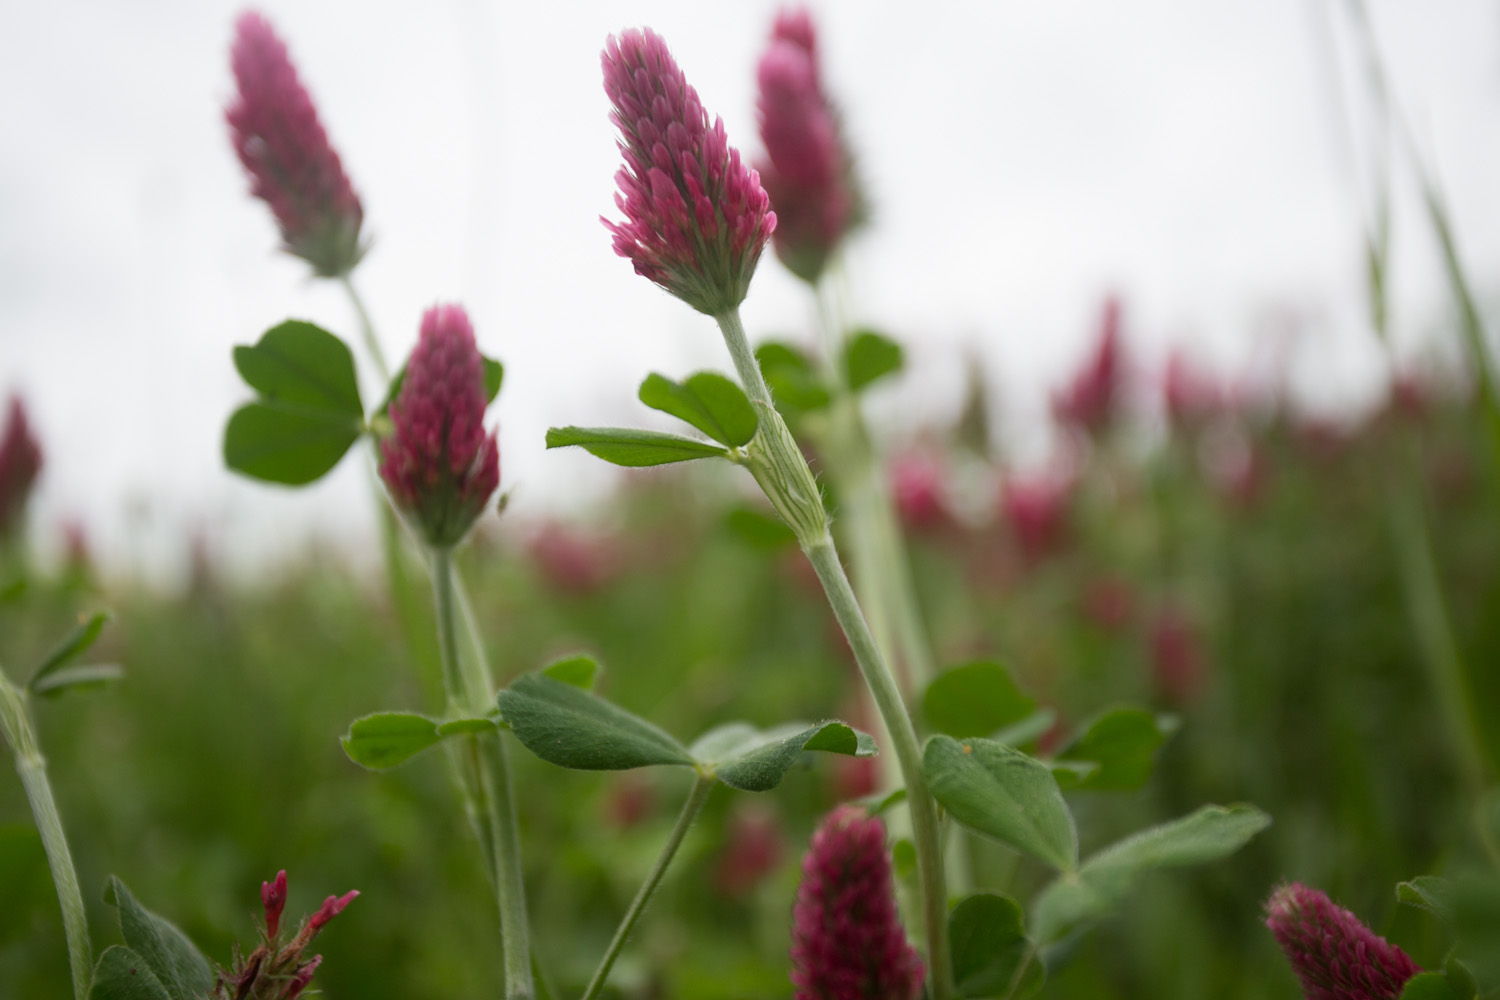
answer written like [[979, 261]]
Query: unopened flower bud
[[1334, 955], [332, 907], [847, 939], [438, 463], [273, 898], [292, 167], [696, 217], [302, 977]]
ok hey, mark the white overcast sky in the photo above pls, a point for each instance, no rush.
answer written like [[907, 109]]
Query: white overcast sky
[[1023, 160]]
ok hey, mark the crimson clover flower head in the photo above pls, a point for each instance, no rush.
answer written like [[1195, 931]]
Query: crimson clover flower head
[[438, 462], [807, 171], [20, 461], [292, 167], [1334, 955], [847, 940], [696, 217], [1091, 399]]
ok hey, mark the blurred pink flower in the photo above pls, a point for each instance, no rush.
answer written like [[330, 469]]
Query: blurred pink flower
[[20, 462], [753, 848], [1108, 602], [696, 218], [292, 167], [1190, 395], [847, 939], [1090, 401], [917, 488], [1036, 511], [807, 172], [438, 462], [1179, 664], [1334, 955], [572, 561]]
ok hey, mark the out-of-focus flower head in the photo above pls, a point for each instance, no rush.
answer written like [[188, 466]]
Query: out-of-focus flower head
[[847, 939], [696, 217], [277, 970], [917, 488], [292, 167], [1179, 664], [1036, 511], [575, 562], [1108, 602], [1091, 399], [20, 461], [1189, 395], [807, 171], [753, 848], [1334, 955], [438, 463]]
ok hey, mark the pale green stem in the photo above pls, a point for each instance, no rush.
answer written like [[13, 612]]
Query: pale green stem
[[877, 674], [367, 330], [484, 775], [703, 784], [15, 720]]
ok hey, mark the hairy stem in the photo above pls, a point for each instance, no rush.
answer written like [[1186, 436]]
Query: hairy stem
[[15, 721], [699, 795], [367, 330]]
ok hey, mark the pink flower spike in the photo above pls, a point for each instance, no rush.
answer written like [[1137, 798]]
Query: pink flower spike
[[20, 461], [807, 172], [438, 463], [332, 907], [292, 167], [1334, 955], [696, 217], [273, 898], [847, 940]]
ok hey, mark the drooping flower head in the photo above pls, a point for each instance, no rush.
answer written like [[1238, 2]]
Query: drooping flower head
[[278, 137], [438, 463], [847, 940], [696, 217], [20, 461], [1334, 955], [807, 171], [1090, 400]]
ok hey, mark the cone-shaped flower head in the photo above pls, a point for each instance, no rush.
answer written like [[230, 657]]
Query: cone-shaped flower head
[[1334, 955], [276, 133], [20, 461], [847, 941], [438, 462], [696, 217], [807, 172]]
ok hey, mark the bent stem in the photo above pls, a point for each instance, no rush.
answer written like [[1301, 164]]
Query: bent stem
[[484, 775], [367, 330], [15, 722], [821, 552], [703, 784]]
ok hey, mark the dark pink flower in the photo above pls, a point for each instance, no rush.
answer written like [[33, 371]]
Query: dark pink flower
[[1091, 399], [1036, 511], [273, 898], [807, 172], [20, 461], [1334, 955], [438, 462], [753, 849], [277, 970], [847, 940], [917, 488], [696, 217], [278, 137], [302, 977], [1179, 664]]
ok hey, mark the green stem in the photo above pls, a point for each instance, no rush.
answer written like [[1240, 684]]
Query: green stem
[[15, 721], [824, 557], [699, 795], [484, 775], [367, 329]]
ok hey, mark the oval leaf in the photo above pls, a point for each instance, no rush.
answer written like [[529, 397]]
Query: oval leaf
[[289, 445], [632, 448], [121, 974], [302, 364], [1002, 793], [73, 645], [754, 761], [179, 966], [570, 727], [990, 946], [974, 699], [793, 382], [84, 675], [388, 738], [708, 401], [759, 530], [1123, 743], [869, 356], [579, 670]]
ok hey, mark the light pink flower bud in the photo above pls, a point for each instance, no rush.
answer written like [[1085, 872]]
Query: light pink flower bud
[[807, 172], [20, 461], [696, 218], [438, 463], [1334, 955], [278, 137], [273, 898], [847, 939]]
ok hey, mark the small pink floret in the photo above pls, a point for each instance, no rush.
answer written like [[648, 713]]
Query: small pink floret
[[273, 898]]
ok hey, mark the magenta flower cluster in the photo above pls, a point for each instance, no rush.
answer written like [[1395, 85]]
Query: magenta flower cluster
[[20, 461], [847, 939], [276, 971], [438, 462], [807, 170], [696, 217], [278, 137], [1334, 955]]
